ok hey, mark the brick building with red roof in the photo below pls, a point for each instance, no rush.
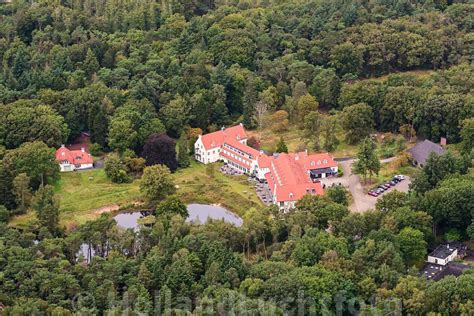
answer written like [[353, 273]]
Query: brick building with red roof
[[70, 160], [289, 176]]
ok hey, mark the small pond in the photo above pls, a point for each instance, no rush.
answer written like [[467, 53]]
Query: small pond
[[198, 213]]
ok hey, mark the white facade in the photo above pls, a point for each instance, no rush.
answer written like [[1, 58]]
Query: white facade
[[66, 166], [443, 261], [205, 156]]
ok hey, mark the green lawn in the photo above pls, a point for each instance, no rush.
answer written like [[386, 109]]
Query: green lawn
[[81, 194], [206, 184]]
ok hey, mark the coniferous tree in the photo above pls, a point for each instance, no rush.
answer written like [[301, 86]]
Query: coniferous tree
[[249, 100], [183, 154], [90, 64], [22, 191], [281, 146], [46, 207]]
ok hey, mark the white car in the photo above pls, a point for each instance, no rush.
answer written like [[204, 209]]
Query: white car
[[400, 177]]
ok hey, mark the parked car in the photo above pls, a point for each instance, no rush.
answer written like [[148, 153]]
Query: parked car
[[395, 179], [380, 190], [373, 193], [393, 183], [400, 177], [388, 184], [383, 186]]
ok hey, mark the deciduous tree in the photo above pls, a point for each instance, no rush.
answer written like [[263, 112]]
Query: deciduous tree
[[367, 162], [160, 149], [156, 183]]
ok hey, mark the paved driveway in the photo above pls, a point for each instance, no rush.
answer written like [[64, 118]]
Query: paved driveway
[[361, 200]]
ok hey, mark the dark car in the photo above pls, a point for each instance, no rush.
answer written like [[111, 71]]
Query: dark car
[[393, 183], [380, 190]]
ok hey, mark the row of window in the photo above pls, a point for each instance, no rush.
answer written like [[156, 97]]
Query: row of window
[[236, 157], [238, 151], [325, 161], [233, 164]]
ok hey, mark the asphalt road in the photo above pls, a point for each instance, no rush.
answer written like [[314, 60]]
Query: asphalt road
[[361, 201]]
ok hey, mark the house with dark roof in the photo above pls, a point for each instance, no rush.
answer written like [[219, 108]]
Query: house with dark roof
[[421, 151], [441, 263]]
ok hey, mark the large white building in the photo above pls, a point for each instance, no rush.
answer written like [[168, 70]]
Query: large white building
[[289, 176]]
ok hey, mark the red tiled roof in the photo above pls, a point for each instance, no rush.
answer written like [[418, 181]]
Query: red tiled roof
[[291, 175], [296, 192], [317, 161], [75, 157], [216, 139], [242, 147], [264, 161], [235, 160], [288, 170]]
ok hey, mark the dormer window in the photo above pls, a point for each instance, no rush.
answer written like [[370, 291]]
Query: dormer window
[[319, 162], [291, 195], [312, 163], [325, 161]]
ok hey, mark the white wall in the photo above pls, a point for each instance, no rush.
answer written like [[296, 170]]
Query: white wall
[[65, 167], [85, 166], [443, 262]]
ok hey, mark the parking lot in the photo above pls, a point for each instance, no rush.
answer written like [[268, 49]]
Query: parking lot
[[361, 201]]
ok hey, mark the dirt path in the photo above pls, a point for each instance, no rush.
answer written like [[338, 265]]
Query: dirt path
[[106, 209], [361, 201]]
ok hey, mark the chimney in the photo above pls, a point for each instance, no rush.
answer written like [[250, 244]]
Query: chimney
[[222, 128], [443, 142], [62, 146], [83, 149]]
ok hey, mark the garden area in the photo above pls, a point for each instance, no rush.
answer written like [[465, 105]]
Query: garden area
[[86, 194]]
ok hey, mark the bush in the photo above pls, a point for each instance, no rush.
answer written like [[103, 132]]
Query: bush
[[115, 169], [452, 235], [340, 171], [4, 214], [95, 149]]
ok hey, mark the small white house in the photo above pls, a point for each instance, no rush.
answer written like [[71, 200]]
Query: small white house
[[443, 254]]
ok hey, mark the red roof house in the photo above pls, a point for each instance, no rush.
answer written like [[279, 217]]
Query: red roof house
[[70, 160]]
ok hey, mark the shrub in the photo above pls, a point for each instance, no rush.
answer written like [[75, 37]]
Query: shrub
[[4, 214], [95, 149]]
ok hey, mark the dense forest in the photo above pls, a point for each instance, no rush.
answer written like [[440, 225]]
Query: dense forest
[[142, 75]]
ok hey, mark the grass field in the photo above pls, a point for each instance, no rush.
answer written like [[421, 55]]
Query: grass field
[[206, 184], [292, 137], [81, 194]]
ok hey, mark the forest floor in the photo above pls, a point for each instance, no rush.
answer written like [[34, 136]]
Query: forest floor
[[85, 195]]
